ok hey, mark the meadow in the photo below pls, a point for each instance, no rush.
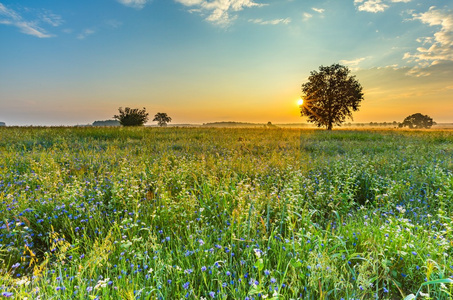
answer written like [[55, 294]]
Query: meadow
[[218, 213]]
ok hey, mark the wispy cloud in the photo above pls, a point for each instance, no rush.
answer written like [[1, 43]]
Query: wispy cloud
[[318, 10], [438, 47], [139, 4], [10, 17], [306, 16], [353, 64], [85, 33], [219, 12], [285, 21]]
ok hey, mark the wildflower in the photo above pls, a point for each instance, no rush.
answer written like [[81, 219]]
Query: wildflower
[[203, 269], [186, 285], [16, 265], [266, 272], [7, 294], [212, 294]]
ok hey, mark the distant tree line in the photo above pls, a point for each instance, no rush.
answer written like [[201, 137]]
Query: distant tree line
[[2, 124], [107, 123]]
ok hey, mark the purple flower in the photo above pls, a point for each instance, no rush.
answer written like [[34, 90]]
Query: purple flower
[[7, 294], [203, 268], [186, 285], [212, 294]]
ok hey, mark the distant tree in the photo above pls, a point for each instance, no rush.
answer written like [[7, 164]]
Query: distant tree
[[107, 123], [132, 116], [270, 125], [162, 119], [330, 96], [418, 121], [2, 124]]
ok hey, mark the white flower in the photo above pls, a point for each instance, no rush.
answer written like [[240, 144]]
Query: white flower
[[257, 252]]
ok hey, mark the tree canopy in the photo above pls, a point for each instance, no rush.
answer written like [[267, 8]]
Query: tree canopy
[[418, 121], [162, 119], [330, 95], [132, 116]]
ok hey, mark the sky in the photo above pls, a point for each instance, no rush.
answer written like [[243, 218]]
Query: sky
[[68, 62]]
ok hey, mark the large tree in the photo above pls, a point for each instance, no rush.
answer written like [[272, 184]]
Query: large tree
[[132, 116], [418, 121], [162, 119], [330, 95]]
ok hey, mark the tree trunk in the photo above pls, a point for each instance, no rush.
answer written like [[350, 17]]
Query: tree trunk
[[329, 126]]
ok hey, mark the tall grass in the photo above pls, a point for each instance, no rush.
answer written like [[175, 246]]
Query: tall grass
[[140, 213]]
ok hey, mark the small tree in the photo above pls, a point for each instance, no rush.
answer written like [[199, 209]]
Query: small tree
[[330, 96], [132, 116], [418, 121], [162, 119]]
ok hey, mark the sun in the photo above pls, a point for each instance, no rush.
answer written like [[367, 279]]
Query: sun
[[300, 102]]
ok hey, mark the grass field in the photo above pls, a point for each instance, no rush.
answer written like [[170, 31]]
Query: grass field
[[150, 213]]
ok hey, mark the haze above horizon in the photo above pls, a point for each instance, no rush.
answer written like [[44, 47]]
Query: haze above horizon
[[200, 61]]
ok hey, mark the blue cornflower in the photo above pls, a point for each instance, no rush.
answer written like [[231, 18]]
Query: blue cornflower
[[228, 273], [7, 294], [186, 285], [266, 272], [203, 269], [212, 294], [273, 280]]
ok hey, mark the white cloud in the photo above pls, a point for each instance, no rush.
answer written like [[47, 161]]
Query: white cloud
[[307, 16], [139, 4], [352, 63], [318, 10], [439, 47], [12, 18], [219, 11], [373, 6], [271, 22]]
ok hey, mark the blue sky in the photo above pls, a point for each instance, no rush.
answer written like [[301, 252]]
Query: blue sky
[[74, 62]]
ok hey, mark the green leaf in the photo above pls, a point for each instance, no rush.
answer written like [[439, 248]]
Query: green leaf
[[259, 264], [445, 280], [410, 297], [295, 263]]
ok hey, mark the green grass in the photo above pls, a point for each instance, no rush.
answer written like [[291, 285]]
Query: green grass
[[170, 213]]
